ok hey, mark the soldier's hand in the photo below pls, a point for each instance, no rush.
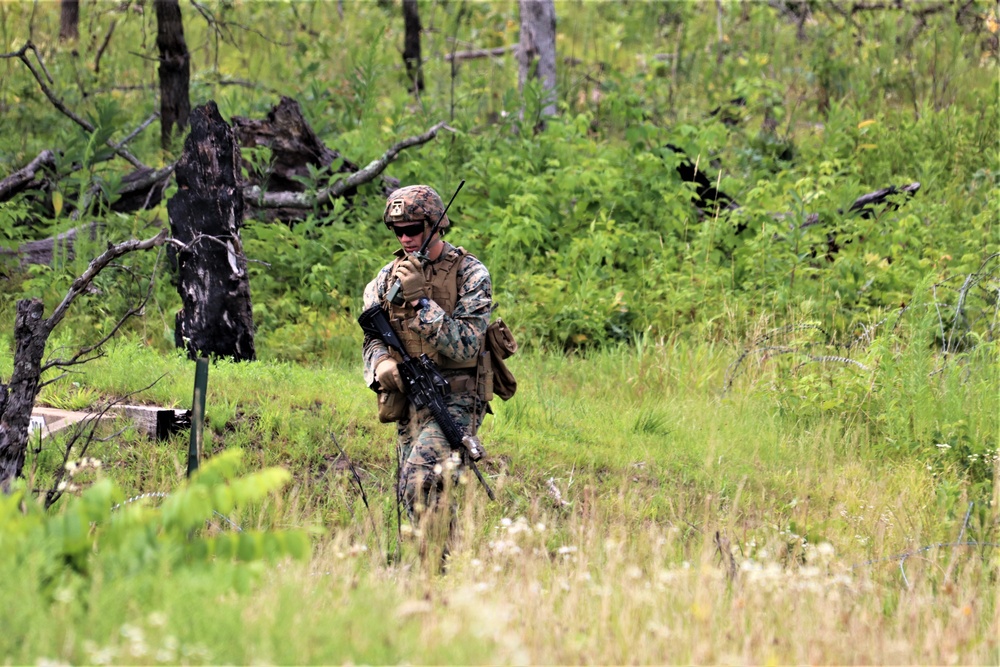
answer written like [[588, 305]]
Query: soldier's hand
[[387, 374], [411, 277]]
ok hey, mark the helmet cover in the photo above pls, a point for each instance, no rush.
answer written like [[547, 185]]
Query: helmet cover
[[414, 203]]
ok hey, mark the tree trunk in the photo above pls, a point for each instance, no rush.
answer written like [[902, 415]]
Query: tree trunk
[[411, 46], [206, 215], [69, 19], [175, 69], [31, 331], [538, 39]]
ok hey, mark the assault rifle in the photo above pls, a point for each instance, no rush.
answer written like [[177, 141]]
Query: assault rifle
[[424, 387]]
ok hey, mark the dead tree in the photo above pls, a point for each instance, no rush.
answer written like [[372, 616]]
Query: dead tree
[[69, 19], [174, 71], [296, 152], [205, 218], [411, 46], [31, 332], [538, 40]]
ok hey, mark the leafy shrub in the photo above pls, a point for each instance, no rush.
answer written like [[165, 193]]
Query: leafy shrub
[[98, 533]]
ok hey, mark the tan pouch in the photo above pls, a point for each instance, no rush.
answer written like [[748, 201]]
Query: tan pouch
[[499, 340], [484, 377], [501, 345], [392, 406]]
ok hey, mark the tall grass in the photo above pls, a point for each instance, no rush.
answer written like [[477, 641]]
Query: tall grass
[[654, 506], [643, 516]]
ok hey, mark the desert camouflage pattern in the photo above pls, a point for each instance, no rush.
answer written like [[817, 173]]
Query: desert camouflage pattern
[[425, 455], [414, 203]]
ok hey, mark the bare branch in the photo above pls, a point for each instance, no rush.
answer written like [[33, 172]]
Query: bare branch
[[22, 55], [56, 492], [134, 133], [96, 266], [104, 45], [222, 28], [41, 385], [256, 197], [473, 54], [16, 181]]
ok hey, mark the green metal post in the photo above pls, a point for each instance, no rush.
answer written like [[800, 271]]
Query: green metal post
[[198, 414]]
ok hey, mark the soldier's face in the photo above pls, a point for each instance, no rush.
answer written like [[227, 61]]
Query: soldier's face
[[410, 235]]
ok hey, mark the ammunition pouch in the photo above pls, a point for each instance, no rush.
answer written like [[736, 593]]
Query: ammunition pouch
[[392, 406], [484, 377], [500, 345]]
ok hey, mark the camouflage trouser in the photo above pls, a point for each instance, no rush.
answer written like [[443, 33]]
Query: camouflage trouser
[[427, 462]]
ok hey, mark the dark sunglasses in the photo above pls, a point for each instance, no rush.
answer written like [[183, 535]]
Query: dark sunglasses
[[409, 230]]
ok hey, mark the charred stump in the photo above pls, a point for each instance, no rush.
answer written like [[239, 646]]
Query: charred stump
[[69, 19], [31, 331], [174, 70], [294, 148], [411, 46], [205, 218]]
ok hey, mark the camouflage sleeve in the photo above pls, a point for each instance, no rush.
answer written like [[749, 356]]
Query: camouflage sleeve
[[374, 349], [459, 336]]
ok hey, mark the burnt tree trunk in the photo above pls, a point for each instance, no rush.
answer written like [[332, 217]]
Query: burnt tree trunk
[[69, 19], [411, 46], [174, 71], [205, 216], [294, 147], [31, 331], [538, 39]]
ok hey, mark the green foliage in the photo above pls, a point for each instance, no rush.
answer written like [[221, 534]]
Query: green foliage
[[590, 235], [851, 420], [100, 535]]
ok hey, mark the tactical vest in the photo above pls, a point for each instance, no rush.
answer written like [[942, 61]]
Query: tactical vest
[[442, 286]]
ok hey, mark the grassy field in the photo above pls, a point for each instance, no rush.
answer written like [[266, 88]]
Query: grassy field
[[737, 438], [642, 517]]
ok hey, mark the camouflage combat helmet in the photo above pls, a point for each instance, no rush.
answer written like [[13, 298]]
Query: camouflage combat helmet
[[412, 204]]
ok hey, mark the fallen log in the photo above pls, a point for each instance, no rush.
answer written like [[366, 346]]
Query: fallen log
[[279, 191], [296, 153], [293, 145], [307, 200], [711, 201], [21, 179], [43, 250]]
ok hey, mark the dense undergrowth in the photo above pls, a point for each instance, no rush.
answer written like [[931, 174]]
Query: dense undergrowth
[[737, 437]]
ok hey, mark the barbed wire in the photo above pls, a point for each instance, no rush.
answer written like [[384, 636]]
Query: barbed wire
[[953, 328], [957, 543], [151, 494], [161, 494]]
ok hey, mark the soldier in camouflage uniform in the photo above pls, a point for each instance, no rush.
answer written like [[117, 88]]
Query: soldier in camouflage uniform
[[447, 303]]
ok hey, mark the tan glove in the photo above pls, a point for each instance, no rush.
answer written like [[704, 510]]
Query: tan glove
[[411, 277], [387, 374]]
